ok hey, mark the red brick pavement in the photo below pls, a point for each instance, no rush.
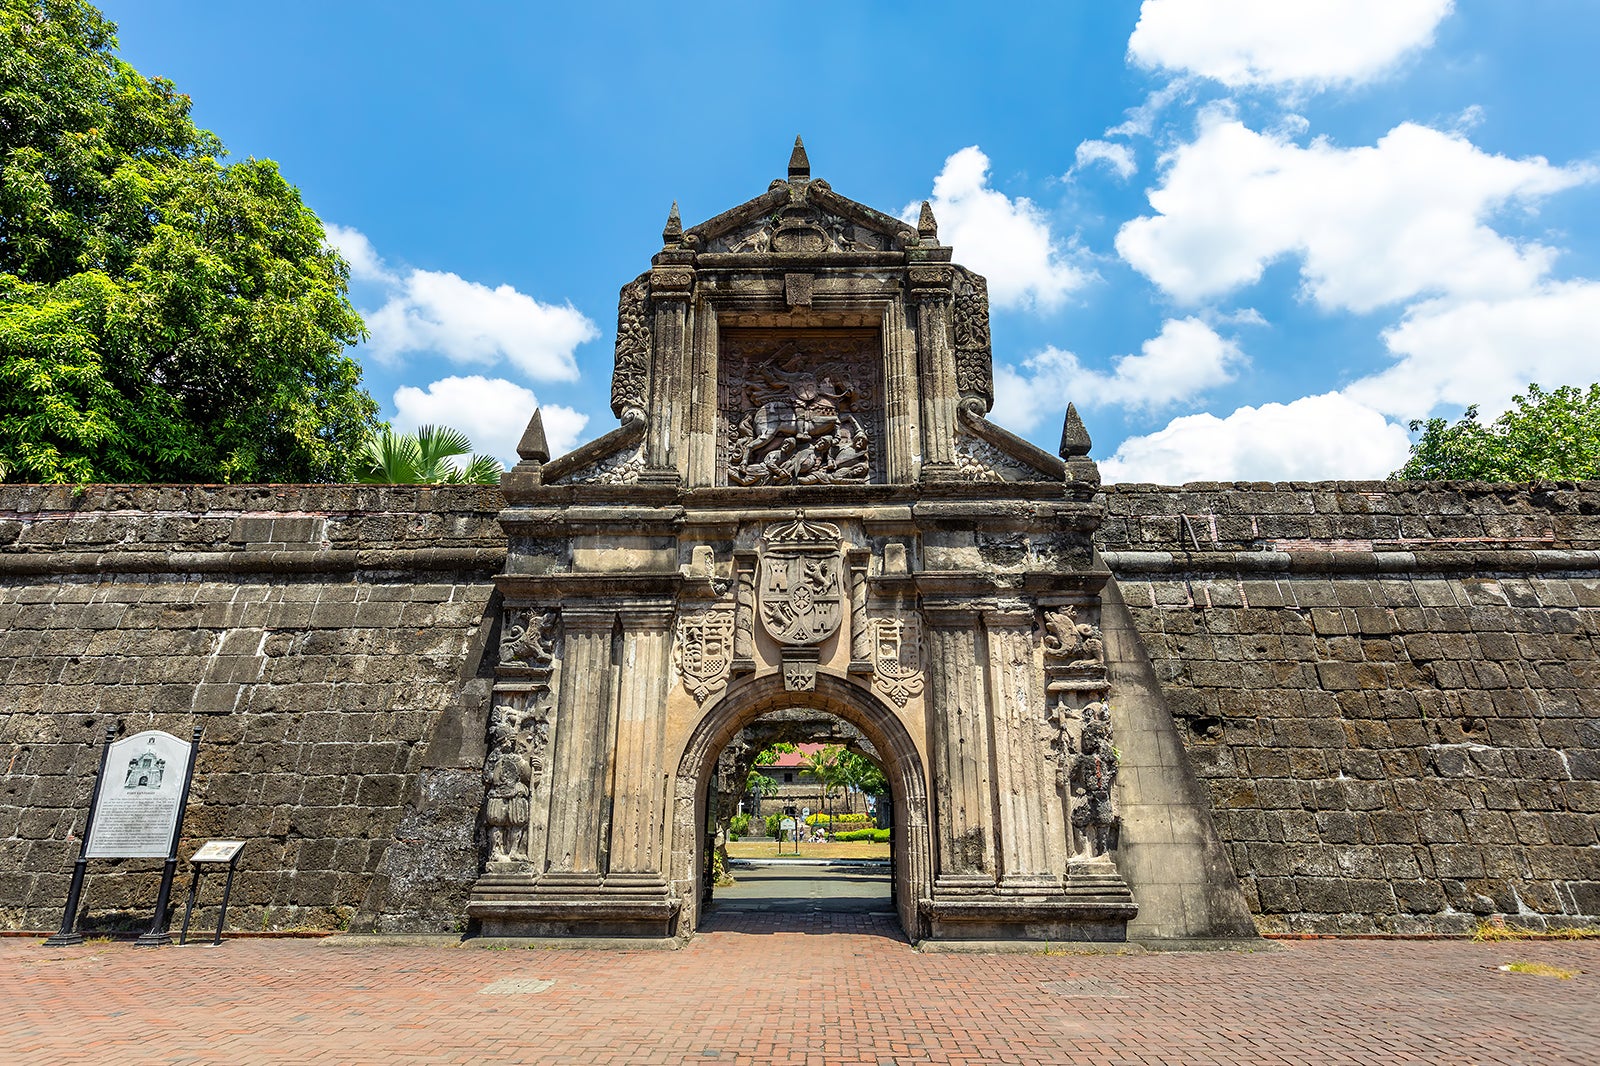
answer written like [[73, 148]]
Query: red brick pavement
[[808, 989]]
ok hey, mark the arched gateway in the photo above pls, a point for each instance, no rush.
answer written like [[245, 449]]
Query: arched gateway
[[803, 507]]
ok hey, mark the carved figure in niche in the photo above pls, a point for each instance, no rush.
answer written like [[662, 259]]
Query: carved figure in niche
[[525, 639], [508, 773], [797, 428], [1071, 643], [1094, 772]]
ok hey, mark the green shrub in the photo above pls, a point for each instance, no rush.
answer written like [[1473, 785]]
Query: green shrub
[[830, 820], [880, 836], [774, 821], [739, 826]]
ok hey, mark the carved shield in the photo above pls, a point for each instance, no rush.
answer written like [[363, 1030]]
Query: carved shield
[[897, 662], [801, 594], [705, 649]]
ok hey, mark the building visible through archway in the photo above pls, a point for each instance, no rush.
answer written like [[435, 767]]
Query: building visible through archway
[[804, 508]]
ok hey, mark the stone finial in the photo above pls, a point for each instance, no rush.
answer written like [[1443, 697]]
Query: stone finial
[[799, 165], [927, 226], [1074, 438], [532, 446], [672, 233]]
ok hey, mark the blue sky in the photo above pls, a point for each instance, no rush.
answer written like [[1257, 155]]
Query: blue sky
[[1249, 238]]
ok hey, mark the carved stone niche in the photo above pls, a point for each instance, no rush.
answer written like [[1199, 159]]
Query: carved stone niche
[[800, 407]]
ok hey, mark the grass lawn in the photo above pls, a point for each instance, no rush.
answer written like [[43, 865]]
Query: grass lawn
[[850, 849]]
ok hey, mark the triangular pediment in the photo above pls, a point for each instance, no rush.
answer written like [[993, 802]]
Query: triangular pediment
[[801, 216]]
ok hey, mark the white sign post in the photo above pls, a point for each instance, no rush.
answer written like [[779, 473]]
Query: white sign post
[[136, 812]]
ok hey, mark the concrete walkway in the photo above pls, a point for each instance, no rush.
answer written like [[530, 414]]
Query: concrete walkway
[[794, 987]]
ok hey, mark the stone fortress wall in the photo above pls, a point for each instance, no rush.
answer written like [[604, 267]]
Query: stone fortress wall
[[328, 641], [1392, 694]]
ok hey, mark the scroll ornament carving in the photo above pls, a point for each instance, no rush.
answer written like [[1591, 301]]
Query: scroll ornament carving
[[630, 379], [800, 232], [515, 761], [974, 356], [897, 658], [1070, 644], [704, 651], [798, 427], [1094, 772], [528, 639]]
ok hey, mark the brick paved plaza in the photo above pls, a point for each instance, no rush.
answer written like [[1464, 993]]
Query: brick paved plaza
[[808, 988]]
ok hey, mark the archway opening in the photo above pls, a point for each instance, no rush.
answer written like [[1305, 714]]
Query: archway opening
[[801, 821], [709, 781]]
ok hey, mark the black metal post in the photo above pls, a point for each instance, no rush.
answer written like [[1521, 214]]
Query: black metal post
[[227, 890], [194, 887], [158, 936], [68, 933]]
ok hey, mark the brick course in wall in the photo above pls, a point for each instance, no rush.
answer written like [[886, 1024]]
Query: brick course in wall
[[1392, 693]]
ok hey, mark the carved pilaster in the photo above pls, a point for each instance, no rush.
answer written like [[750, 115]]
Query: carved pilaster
[[664, 454], [702, 420], [744, 612], [937, 363], [1016, 703], [961, 742], [582, 742], [902, 400], [860, 630], [638, 820]]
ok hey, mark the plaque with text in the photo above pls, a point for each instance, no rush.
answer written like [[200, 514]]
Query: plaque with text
[[217, 851], [141, 797]]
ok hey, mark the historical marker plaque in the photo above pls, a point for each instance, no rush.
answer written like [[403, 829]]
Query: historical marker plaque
[[140, 798]]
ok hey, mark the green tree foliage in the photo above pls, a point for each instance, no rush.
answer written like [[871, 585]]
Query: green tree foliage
[[769, 755], [423, 458], [163, 315], [1549, 436], [862, 774]]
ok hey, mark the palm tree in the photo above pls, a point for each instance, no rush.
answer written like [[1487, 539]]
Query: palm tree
[[424, 458], [824, 766]]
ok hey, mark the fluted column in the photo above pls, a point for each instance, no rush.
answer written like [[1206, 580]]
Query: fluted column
[[902, 397], [938, 363], [963, 787], [582, 743], [702, 421], [637, 823], [1016, 709], [664, 454]]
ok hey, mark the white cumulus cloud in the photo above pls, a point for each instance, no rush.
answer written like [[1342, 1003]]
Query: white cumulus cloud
[[1312, 438], [1118, 157], [1007, 240], [365, 263], [1183, 360], [466, 322], [1486, 351], [471, 323], [493, 412], [1283, 43], [1371, 225]]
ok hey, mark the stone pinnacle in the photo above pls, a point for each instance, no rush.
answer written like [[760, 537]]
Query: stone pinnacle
[[799, 165], [927, 227], [1074, 438], [532, 446], [672, 233]]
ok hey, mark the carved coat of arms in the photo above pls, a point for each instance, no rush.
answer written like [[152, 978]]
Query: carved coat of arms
[[705, 650], [897, 659], [800, 584]]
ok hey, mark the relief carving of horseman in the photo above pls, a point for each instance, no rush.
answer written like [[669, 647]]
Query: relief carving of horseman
[[798, 429]]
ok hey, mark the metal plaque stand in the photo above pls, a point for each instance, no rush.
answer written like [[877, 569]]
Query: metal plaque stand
[[214, 853], [157, 935], [68, 933]]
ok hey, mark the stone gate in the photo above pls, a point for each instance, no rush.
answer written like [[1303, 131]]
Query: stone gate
[[805, 509]]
